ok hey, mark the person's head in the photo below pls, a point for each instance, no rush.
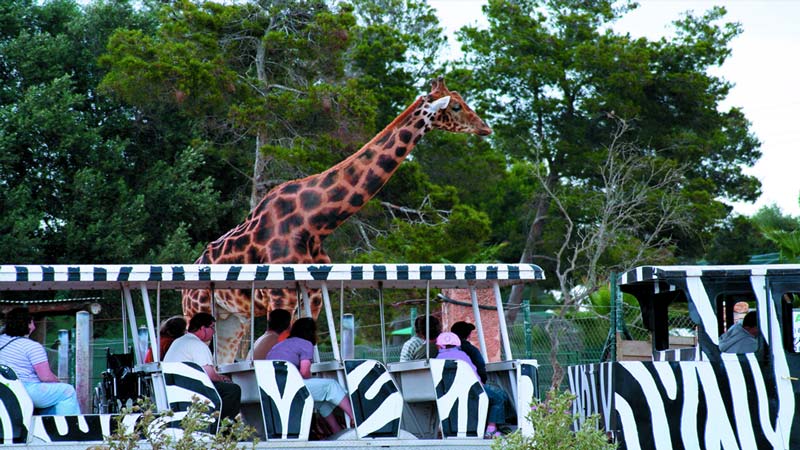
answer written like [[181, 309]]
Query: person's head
[[462, 329], [750, 323], [174, 327], [202, 325], [305, 328], [279, 320], [435, 327], [447, 340], [740, 310], [19, 322]]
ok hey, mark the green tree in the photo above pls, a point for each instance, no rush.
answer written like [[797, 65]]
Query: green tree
[[552, 73]]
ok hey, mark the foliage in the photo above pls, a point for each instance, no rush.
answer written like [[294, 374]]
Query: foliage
[[551, 73], [553, 420], [157, 432]]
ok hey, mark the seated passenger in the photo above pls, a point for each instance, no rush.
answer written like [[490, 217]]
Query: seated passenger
[[415, 348], [742, 337], [29, 360], [450, 348], [171, 329], [277, 331], [193, 347], [298, 349]]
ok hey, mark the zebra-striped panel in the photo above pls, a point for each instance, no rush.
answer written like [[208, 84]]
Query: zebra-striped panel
[[527, 392], [286, 404], [669, 405], [377, 402], [15, 277], [460, 399], [16, 408], [81, 428], [187, 383]]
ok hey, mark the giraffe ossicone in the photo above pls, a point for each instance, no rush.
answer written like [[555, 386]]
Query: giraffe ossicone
[[290, 223]]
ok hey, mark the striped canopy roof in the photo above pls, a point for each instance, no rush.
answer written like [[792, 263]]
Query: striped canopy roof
[[246, 276]]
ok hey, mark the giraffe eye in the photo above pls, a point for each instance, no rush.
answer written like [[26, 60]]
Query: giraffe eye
[[456, 107]]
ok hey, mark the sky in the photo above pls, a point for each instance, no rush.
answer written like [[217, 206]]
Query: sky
[[764, 67]]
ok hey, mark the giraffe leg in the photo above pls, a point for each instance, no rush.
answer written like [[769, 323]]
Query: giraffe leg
[[230, 329]]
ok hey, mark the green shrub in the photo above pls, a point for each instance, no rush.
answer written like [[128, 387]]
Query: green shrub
[[152, 430], [552, 421]]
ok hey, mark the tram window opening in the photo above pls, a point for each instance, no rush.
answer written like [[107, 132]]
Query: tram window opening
[[790, 321]]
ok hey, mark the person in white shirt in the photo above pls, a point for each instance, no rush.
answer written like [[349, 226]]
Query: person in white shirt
[[193, 347], [29, 361]]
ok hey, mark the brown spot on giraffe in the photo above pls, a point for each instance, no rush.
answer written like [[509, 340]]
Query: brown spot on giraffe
[[291, 222]]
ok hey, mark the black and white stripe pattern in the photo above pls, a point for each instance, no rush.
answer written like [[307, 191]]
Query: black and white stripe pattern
[[187, 383], [701, 398], [82, 428], [16, 408], [527, 392], [286, 404], [93, 277], [377, 402], [460, 399]]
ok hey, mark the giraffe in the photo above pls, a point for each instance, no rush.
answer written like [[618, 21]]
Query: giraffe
[[290, 223]]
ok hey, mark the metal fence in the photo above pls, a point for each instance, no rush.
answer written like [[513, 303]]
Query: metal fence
[[583, 334]]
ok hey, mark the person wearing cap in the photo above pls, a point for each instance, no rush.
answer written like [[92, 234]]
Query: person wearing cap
[[463, 330], [450, 348]]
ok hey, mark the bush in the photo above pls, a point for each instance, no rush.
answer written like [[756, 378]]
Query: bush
[[152, 429], [552, 422]]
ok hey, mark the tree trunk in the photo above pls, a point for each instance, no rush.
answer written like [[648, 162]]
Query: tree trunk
[[531, 241]]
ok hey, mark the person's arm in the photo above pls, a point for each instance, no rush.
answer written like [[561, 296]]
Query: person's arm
[[44, 373], [305, 368], [214, 375]]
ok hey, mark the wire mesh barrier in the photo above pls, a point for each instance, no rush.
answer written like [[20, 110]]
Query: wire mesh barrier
[[584, 336]]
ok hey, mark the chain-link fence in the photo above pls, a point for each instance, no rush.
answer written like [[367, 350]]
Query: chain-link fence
[[584, 336]]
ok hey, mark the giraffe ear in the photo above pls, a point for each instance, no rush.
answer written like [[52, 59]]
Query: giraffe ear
[[440, 104]]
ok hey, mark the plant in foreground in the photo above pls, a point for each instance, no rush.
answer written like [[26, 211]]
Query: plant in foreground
[[159, 432], [552, 422]]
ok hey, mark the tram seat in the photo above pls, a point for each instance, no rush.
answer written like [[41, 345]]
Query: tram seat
[[16, 409], [19, 425], [461, 402], [286, 404], [376, 399], [187, 383]]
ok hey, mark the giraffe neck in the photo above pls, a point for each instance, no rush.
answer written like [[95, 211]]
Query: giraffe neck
[[366, 171]]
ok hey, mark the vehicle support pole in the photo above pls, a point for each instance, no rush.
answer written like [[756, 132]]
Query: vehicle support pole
[[476, 312], [427, 319], [157, 343], [383, 322], [83, 360], [501, 317], [126, 291], [253, 316], [307, 311], [326, 301], [148, 316], [63, 356], [214, 314], [348, 336]]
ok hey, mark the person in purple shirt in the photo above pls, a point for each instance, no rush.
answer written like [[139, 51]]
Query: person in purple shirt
[[450, 348], [298, 349]]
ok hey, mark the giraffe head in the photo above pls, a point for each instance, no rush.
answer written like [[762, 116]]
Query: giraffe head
[[454, 114]]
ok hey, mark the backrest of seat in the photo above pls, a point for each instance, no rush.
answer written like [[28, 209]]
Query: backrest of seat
[[527, 391], [187, 383], [16, 408], [461, 401], [286, 404], [377, 402]]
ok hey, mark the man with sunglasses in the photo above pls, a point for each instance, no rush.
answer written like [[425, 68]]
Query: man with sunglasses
[[193, 347]]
